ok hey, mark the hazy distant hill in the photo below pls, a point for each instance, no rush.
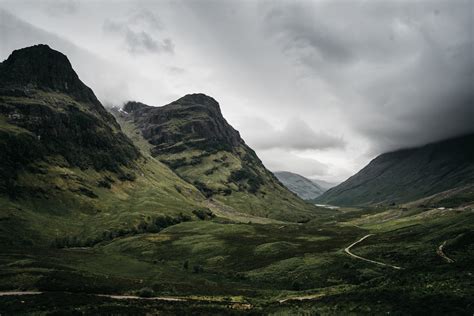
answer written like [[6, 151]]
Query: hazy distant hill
[[408, 174], [303, 187]]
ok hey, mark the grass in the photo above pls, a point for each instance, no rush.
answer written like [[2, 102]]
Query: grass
[[264, 263], [255, 191], [252, 251]]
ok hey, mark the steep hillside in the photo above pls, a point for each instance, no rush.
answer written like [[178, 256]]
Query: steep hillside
[[303, 187], [67, 172], [409, 174], [192, 137]]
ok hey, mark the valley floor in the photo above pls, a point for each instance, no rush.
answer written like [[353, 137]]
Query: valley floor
[[223, 267]]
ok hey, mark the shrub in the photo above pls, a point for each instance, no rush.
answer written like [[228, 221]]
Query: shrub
[[145, 292], [127, 176], [176, 163], [203, 188], [198, 268], [104, 184], [204, 214], [245, 174]]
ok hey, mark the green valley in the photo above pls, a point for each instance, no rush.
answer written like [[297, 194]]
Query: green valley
[[166, 210]]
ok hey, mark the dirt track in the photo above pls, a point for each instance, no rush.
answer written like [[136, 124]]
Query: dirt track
[[441, 253], [348, 251]]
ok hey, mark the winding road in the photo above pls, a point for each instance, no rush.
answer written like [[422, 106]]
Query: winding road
[[441, 253], [232, 305], [348, 251], [19, 293], [117, 297]]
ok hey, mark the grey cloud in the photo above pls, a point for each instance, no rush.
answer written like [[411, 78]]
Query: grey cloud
[[280, 160], [109, 81], [306, 35], [137, 31], [146, 18], [140, 42], [62, 6], [410, 65], [174, 70], [295, 135], [384, 74]]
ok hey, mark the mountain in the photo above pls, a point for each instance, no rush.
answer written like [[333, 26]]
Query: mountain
[[67, 171], [90, 219], [408, 174], [303, 187], [45, 105], [107, 78], [192, 137]]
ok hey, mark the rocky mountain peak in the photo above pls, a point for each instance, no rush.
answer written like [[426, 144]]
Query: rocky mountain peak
[[197, 98], [193, 121], [132, 106], [41, 67]]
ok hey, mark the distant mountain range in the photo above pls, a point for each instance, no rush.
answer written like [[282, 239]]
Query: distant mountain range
[[305, 188], [408, 174]]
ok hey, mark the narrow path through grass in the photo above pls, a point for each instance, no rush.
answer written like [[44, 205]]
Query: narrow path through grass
[[348, 251]]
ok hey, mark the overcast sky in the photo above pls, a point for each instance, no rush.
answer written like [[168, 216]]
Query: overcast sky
[[315, 87]]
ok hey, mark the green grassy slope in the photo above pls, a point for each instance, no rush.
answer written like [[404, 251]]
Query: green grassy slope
[[273, 267], [69, 176], [407, 175], [191, 137], [77, 230]]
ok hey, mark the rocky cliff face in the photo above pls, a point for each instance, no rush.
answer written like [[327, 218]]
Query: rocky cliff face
[[40, 67], [192, 137], [48, 114], [194, 121]]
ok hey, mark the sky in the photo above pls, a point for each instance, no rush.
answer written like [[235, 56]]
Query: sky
[[314, 87]]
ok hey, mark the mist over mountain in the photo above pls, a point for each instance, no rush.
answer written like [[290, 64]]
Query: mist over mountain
[[408, 174]]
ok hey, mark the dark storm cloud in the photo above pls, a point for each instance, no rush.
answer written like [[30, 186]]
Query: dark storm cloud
[[410, 63], [138, 32]]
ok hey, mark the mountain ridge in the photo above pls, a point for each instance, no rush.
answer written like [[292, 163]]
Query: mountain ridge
[[408, 174], [66, 160], [192, 137]]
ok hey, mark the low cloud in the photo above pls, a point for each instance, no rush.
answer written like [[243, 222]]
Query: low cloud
[[404, 71], [295, 135], [62, 7], [138, 33], [281, 160]]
